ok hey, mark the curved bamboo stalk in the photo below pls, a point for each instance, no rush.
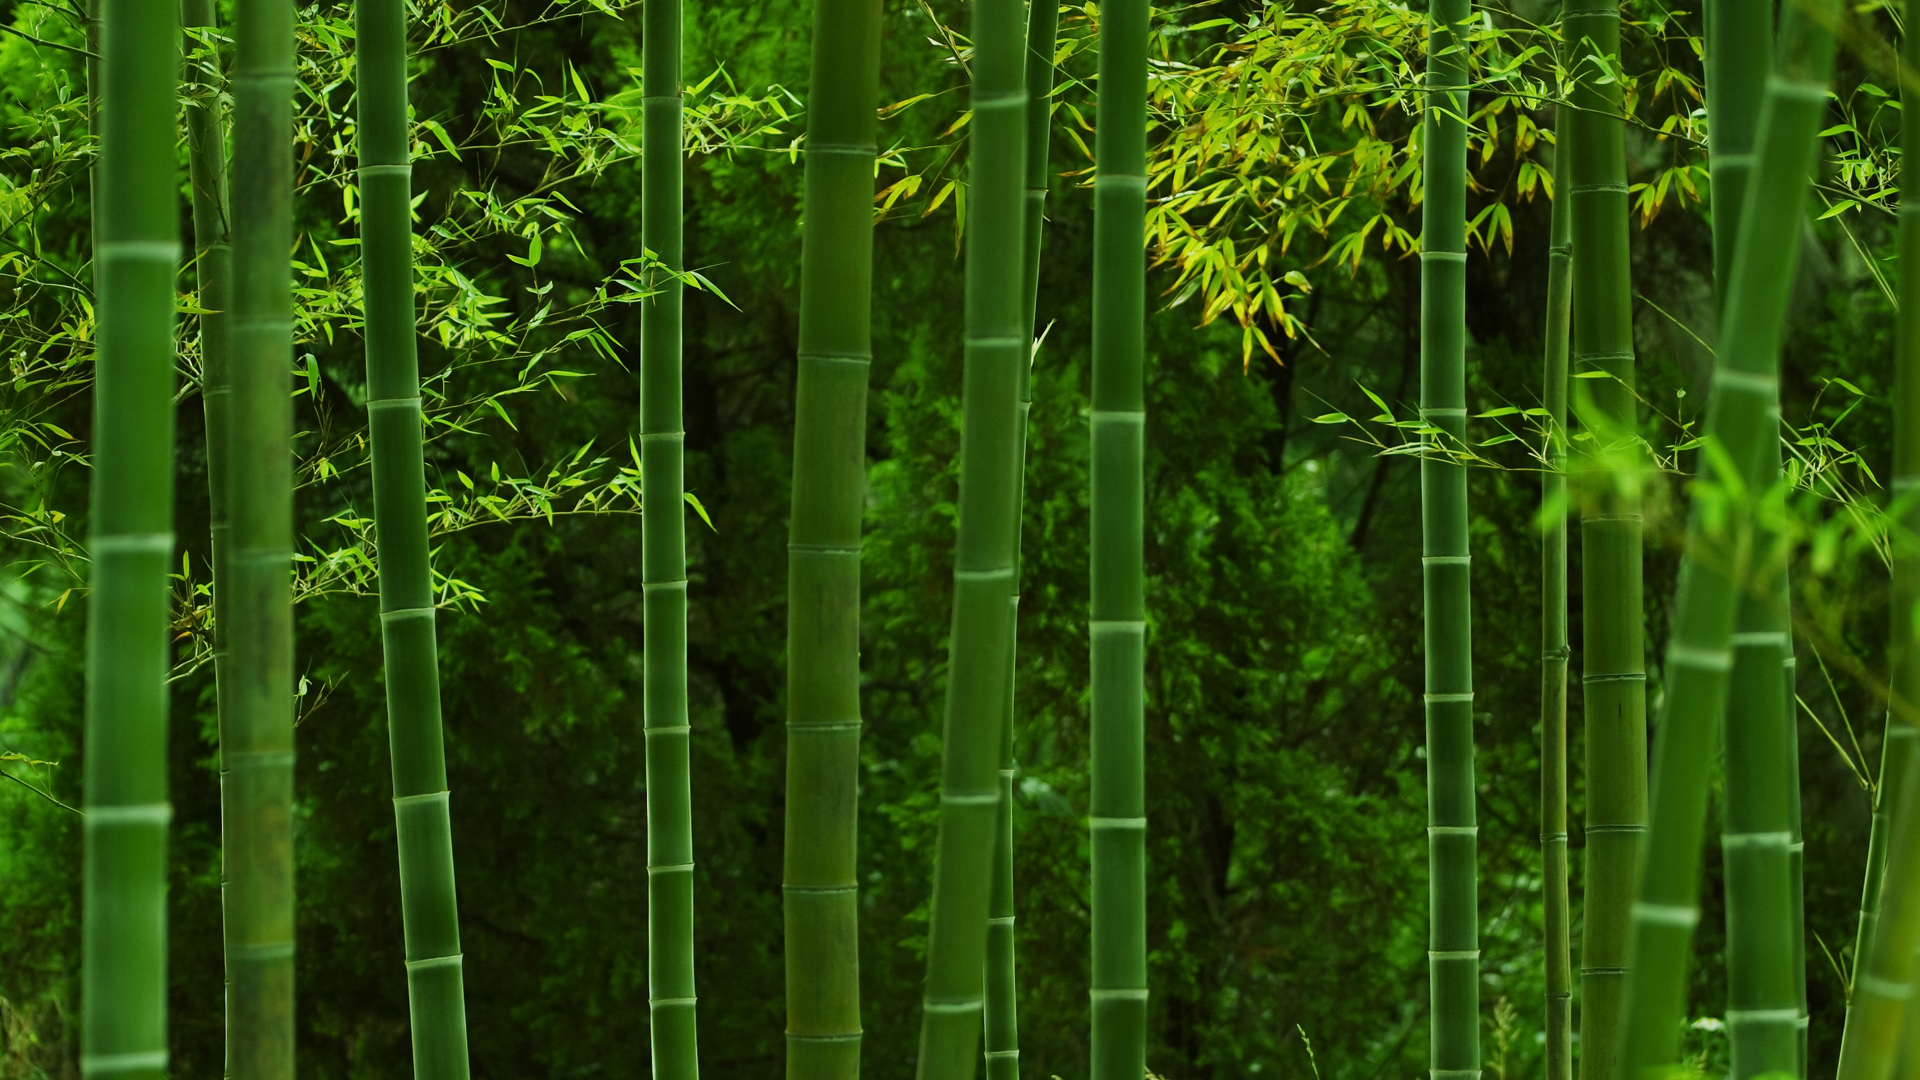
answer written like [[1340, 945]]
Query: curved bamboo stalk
[[663, 556], [1453, 942], [997, 346], [822, 895], [1740, 433], [429, 909], [123, 983], [1553, 646], [257, 750]]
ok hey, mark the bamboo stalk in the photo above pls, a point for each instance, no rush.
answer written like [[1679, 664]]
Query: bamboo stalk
[[1118, 628], [429, 909], [123, 986], [1002, 1019], [257, 751], [213, 273], [1613, 675], [1554, 652], [663, 555], [821, 891], [1453, 943], [996, 348], [1740, 433], [1885, 966]]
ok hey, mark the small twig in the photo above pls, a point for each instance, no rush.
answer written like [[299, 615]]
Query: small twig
[[38, 792], [74, 49]]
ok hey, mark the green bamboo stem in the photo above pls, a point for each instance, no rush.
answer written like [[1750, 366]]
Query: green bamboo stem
[[821, 891], [1757, 834], [1118, 628], [997, 347], [1734, 465], [1553, 645], [213, 263], [1453, 941], [1613, 675], [123, 984], [429, 909], [1796, 850], [1002, 1019], [663, 556], [1885, 966], [257, 751]]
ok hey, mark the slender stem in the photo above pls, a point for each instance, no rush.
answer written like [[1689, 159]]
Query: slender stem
[[821, 891], [123, 979], [1553, 645], [1720, 555], [429, 907], [997, 347]]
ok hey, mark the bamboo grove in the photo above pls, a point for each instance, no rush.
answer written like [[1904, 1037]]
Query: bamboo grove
[[1693, 626]]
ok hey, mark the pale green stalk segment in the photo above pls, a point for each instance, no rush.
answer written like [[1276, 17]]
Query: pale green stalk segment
[[257, 747], [1553, 644], [429, 911], [1734, 465], [1118, 565], [823, 563], [1453, 926], [136, 229], [1613, 664], [663, 557], [996, 350], [1885, 967]]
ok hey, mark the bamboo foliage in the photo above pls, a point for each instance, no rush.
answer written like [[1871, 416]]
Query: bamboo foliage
[[429, 910], [1734, 469], [1885, 968], [136, 250], [1453, 941], [663, 555], [1118, 629], [823, 563], [996, 348], [1002, 1019], [1613, 667], [1553, 646], [257, 751]]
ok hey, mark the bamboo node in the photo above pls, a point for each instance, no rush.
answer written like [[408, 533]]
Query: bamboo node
[[139, 814], [1763, 1016], [1446, 560], [402, 169], [1628, 827], [670, 868], [132, 544], [1116, 822], [671, 1003], [1751, 382], [1796, 90], [1758, 839], [1104, 994], [1453, 830], [1623, 676], [95, 1064], [1674, 915], [377, 404], [992, 1054], [1879, 987], [431, 962], [1453, 954], [1442, 699], [1693, 656], [1444, 256], [270, 950], [1550, 837], [1759, 637], [962, 1006], [139, 250], [1601, 188]]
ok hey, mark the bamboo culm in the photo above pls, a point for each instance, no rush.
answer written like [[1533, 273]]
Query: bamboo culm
[[823, 563], [1613, 667], [256, 753], [428, 905], [213, 275], [123, 982], [1002, 1019], [1453, 937], [1734, 466], [1118, 628], [997, 347], [1885, 967], [1553, 645], [1763, 1021], [663, 557]]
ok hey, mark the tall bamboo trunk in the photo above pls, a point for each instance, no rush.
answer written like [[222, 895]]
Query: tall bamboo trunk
[[1885, 967], [1741, 424], [663, 556], [1613, 675], [821, 891], [1453, 918], [1763, 1008], [257, 754], [213, 275], [1118, 628], [1002, 1018], [997, 346], [428, 906], [1553, 642], [123, 983]]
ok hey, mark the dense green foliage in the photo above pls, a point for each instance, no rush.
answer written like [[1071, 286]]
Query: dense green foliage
[[1287, 785]]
